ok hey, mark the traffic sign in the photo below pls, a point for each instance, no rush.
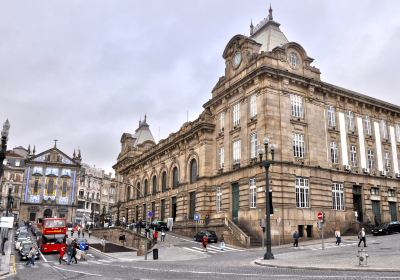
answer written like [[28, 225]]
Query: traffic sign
[[196, 217], [320, 216], [149, 214]]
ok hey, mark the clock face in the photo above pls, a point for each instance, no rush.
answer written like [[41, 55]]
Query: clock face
[[237, 59]]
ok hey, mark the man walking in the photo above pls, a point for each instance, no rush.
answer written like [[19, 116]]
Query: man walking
[[296, 236], [31, 256], [338, 238], [361, 236], [163, 235], [155, 236]]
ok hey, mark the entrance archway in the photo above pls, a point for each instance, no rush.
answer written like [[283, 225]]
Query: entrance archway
[[47, 213]]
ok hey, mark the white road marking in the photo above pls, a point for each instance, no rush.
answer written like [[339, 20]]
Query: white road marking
[[45, 260], [105, 261], [208, 251], [226, 248], [86, 273], [186, 248]]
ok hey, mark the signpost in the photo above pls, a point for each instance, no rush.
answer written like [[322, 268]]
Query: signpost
[[320, 217], [196, 218]]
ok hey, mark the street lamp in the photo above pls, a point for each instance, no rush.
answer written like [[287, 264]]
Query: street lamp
[[4, 137], [266, 164]]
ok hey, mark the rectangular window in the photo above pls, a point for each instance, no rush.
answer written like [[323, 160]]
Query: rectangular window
[[386, 160], [36, 186], [302, 193], [353, 155], [218, 200], [334, 153], [374, 191], [298, 145], [64, 188], [253, 145], [252, 193], [391, 193], [384, 131], [253, 106], [331, 116], [221, 155], [296, 105], [368, 127], [370, 159], [236, 114], [236, 152], [350, 121], [337, 196], [221, 121], [398, 132]]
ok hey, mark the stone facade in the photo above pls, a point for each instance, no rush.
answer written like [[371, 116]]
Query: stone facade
[[336, 149], [50, 186]]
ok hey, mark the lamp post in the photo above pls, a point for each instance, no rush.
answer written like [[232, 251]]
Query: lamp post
[[4, 137], [266, 163]]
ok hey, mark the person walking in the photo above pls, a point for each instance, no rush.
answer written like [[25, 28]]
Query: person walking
[[89, 232], [296, 236], [205, 242], [79, 233], [61, 256], [72, 232], [163, 235], [83, 233], [361, 236], [155, 236], [222, 242], [69, 253], [338, 238], [73, 256], [31, 256]]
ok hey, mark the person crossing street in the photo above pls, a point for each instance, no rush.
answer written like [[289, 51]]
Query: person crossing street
[[361, 236]]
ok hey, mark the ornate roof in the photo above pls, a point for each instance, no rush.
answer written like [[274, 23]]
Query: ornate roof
[[143, 133], [268, 34]]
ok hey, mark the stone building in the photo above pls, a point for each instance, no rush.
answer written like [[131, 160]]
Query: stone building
[[50, 185], [96, 194], [12, 180], [336, 149]]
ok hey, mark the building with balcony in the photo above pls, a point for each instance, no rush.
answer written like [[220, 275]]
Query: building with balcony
[[337, 150], [50, 185]]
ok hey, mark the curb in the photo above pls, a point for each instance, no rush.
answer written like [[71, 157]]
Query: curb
[[257, 262], [102, 253]]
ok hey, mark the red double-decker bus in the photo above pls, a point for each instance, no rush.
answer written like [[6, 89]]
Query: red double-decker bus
[[53, 234]]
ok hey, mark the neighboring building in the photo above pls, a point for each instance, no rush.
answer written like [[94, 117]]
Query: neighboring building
[[50, 185], [337, 149], [96, 194], [12, 180]]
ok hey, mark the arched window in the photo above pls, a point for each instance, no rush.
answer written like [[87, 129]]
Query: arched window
[[145, 188], [128, 193], [175, 177], [193, 171], [154, 191], [138, 191], [164, 181]]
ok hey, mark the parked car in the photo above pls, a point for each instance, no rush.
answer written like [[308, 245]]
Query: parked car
[[82, 244], [159, 225], [386, 228], [212, 236], [20, 240], [24, 250]]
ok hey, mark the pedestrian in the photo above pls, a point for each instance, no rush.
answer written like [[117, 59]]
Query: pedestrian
[[73, 256], [296, 236], [163, 235], [147, 232], [79, 233], [31, 256], [338, 238], [222, 242], [90, 232], [61, 256], [155, 236], [361, 236], [69, 253], [205, 242], [83, 233], [72, 232]]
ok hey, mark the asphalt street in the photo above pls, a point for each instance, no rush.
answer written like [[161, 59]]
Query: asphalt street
[[229, 264]]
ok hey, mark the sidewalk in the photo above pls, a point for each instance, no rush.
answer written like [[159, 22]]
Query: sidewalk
[[383, 254], [5, 260]]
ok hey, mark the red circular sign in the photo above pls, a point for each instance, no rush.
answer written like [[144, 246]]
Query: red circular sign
[[320, 216]]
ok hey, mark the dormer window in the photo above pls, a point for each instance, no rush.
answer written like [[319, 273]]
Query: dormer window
[[293, 60]]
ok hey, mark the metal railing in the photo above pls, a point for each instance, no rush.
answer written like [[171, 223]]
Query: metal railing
[[243, 238]]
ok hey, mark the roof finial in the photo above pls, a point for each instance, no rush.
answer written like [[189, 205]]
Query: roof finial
[[55, 143], [34, 149], [251, 28], [270, 17], [29, 149], [74, 155], [79, 154]]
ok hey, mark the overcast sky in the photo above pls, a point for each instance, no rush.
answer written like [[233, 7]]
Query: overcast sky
[[84, 72]]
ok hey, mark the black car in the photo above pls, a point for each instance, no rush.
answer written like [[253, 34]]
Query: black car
[[24, 251], [212, 236], [159, 225], [386, 228]]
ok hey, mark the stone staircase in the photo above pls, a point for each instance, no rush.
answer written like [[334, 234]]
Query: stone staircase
[[255, 241]]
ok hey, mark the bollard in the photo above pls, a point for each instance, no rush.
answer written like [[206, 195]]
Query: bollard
[[362, 257]]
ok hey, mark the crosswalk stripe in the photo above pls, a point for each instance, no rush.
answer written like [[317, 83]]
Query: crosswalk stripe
[[226, 248], [209, 251], [186, 248], [105, 261]]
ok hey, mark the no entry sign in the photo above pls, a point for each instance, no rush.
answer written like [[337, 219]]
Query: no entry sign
[[320, 216]]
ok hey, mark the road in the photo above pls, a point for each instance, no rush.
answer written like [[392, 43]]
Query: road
[[230, 264]]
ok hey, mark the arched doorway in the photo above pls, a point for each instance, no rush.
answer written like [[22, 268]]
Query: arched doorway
[[47, 213]]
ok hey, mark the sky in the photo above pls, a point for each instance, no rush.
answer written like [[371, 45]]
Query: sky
[[84, 72]]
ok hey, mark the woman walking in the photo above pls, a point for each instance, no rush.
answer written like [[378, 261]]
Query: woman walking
[[205, 242]]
